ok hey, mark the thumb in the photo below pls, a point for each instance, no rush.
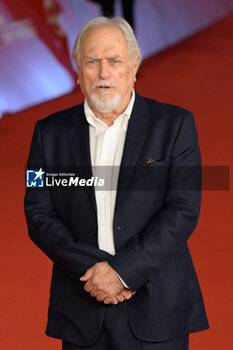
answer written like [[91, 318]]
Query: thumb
[[86, 276]]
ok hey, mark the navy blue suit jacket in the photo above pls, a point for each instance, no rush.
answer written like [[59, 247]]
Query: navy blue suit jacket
[[151, 225]]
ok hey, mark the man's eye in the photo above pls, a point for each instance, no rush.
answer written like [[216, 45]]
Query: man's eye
[[114, 61], [92, 61]]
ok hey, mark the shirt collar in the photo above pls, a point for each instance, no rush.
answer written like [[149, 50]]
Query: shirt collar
[[94, 121]]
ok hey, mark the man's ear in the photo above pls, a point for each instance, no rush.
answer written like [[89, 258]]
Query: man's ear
[[77, 74], [135, 67]]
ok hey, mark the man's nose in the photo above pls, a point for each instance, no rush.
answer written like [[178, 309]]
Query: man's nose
[[104, 70]]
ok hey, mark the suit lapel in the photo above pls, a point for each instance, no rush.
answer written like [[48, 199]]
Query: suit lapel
[[78, 136], [138, 128]]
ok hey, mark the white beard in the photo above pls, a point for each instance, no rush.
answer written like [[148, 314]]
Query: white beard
[[105, 105]]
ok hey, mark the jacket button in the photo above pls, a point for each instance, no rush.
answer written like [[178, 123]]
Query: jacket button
[[92, 232], [121, 227], [146, 283]]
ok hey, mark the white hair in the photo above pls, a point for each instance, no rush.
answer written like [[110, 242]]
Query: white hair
[[105, 105], [117, 22]]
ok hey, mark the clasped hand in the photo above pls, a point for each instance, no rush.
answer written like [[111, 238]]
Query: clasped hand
[[103, 283]]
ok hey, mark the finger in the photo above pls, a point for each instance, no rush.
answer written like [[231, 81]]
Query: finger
[[93, 293], [114, 301], [120, 298], [99, 298], [88, 288], [86, 276], [130, 291], [126, 294]]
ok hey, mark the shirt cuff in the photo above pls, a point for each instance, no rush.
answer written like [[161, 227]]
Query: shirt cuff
[[124, 284]]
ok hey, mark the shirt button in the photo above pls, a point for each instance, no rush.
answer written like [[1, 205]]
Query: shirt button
[[92, 232]]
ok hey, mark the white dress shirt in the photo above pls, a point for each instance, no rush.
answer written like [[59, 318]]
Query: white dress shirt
[[106, 146]]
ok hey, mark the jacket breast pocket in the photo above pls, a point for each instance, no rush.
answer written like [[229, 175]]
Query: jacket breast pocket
[[151, 176]]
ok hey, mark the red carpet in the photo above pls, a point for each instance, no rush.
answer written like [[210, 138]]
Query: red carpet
[[196, 74]]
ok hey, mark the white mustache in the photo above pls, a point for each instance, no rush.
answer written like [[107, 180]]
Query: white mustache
[[103, 83]]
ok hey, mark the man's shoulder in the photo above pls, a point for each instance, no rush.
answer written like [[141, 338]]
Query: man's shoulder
[[156, 106], [61, 117], [161, 113]]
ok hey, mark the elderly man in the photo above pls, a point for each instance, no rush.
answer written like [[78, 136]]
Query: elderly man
[[122, 277]]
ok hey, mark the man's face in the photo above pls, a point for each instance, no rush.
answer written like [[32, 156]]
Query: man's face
[[106, 75]]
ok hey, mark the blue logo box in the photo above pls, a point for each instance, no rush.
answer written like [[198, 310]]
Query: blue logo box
[[35, 178]]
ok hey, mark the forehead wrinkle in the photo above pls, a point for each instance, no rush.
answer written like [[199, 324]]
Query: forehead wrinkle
[[103, 55], [108, 57], [104, 49], [94, 46]]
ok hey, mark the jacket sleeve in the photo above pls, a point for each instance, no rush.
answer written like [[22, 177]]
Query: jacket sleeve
[[47, 230], [169, 229]]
